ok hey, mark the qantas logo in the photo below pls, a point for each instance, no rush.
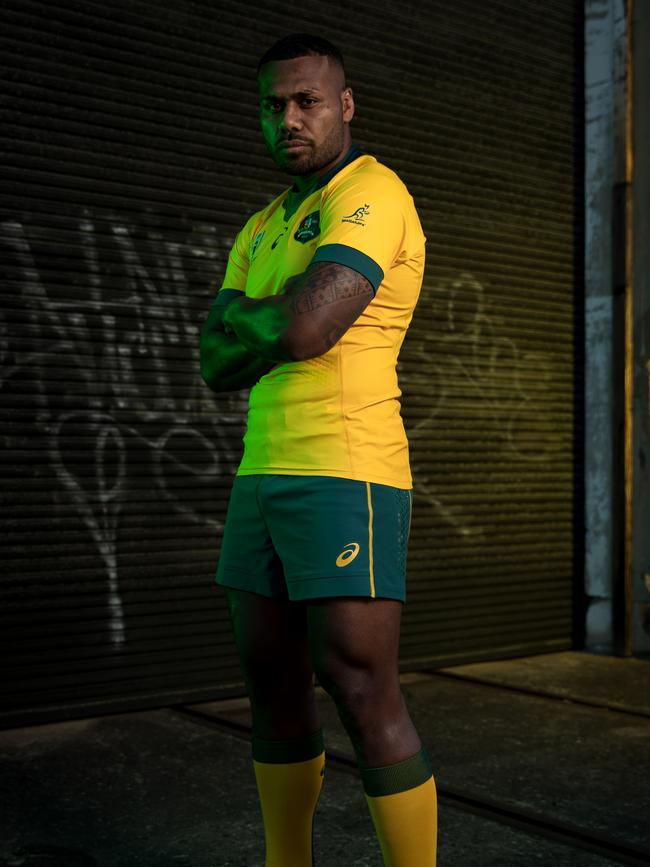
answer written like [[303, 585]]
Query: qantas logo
[[348, 554]]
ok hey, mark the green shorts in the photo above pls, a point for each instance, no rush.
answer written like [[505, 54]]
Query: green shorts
[[309, 537]]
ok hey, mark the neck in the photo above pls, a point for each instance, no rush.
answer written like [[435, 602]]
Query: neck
[[302, 182]]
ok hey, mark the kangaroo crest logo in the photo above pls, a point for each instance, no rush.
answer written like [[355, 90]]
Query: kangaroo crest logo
[[309, 228], [358, 216], [348, 554]]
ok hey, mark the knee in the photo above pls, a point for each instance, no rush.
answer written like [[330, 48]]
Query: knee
[[266, 680], [354, 690]]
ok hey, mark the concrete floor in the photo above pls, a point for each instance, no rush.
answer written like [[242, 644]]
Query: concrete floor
[[562, 736]]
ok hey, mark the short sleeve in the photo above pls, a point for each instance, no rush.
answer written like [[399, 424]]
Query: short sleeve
[[234, 280], [364, 223]]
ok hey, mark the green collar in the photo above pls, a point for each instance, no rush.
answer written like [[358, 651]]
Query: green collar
[[296, 197]]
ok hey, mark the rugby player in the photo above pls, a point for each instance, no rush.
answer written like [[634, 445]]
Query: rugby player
[[318, 292]]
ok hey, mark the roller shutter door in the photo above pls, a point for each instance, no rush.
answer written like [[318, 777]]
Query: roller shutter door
[[131, 157]]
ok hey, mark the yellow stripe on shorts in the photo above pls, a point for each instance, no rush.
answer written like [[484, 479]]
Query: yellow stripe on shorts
[[372, 574]]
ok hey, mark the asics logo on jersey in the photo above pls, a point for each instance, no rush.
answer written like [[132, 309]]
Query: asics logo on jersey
[[275, 243], [358, 215], [348, 554]]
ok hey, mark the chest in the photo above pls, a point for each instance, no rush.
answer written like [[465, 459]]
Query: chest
[[282, 248]]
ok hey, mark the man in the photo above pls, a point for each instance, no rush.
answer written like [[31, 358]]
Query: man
[[318, 292]]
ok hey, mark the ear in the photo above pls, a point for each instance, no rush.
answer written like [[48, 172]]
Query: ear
[[347, 101]]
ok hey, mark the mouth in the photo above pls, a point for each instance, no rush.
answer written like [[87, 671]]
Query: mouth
[[294, 145]]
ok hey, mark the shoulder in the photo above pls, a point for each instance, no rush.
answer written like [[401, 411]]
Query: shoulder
[[367, 173]]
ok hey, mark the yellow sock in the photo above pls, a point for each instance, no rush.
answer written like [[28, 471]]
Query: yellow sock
[[289, 778], [403, 805]]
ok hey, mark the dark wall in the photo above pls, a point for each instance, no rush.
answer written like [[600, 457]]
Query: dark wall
[[131, 157]]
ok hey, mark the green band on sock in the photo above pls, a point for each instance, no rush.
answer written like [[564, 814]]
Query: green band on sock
[[392, 779], [284, 752]]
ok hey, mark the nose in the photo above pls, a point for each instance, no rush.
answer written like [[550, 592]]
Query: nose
[[292, 118]]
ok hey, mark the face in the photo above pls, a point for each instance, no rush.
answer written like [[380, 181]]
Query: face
[[305, 100]]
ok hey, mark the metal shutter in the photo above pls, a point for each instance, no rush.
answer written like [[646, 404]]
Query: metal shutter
[[490, 142], [131, 158]]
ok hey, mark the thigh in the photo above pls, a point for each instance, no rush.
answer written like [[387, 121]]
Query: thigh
[[272, 640], [354, 643]]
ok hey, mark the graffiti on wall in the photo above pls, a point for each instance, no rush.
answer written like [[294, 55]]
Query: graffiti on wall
[[468, 367], [110, 366], [106, 346]]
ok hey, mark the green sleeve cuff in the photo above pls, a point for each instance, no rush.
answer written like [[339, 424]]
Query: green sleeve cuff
[[225, 296], [354, 259]]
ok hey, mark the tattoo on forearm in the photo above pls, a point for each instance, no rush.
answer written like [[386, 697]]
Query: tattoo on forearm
[[327, 283], [325, 301]]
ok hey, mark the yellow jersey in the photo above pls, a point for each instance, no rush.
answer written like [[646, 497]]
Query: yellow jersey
[[337, 414]]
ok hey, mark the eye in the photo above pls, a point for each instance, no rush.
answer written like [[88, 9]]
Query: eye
[[273, 105]]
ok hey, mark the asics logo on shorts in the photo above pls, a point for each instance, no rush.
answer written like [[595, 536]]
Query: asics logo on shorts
[[348, 554]]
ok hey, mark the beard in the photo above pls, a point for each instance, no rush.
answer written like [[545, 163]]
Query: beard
[[314, 157]]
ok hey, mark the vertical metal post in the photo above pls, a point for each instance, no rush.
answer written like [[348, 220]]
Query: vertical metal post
[[623, 348], [629, 336]]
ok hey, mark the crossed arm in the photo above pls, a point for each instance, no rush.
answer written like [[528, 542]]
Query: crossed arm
[[312, 313], [243, 340]]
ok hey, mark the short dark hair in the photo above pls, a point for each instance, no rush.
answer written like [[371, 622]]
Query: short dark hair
[[301, 45]]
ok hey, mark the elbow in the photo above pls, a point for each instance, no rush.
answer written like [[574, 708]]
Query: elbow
[[206, 377], [211, 379], [207, 366], [203, 365]]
